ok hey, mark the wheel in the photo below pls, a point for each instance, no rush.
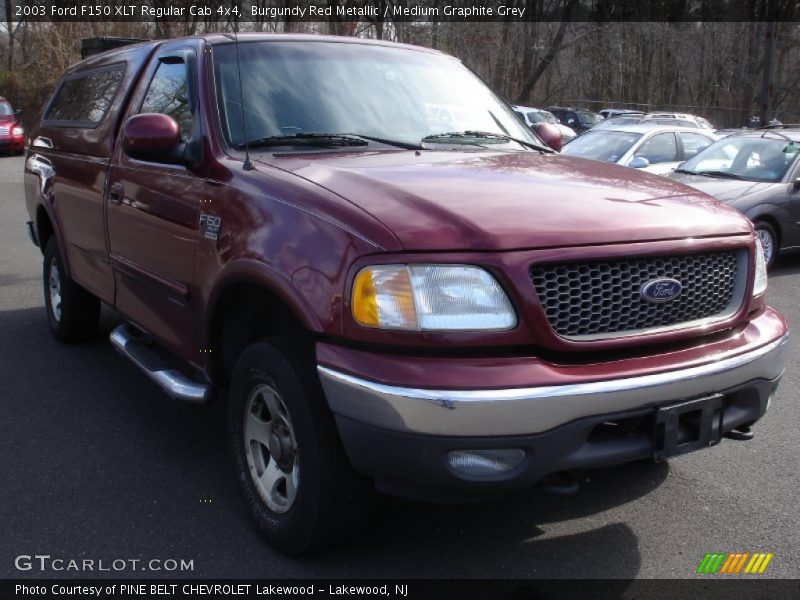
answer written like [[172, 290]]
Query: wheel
[[769, 241], [73, 313], [292, 468]]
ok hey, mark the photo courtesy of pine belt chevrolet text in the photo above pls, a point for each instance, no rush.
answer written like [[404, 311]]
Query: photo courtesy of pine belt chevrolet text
[[388, 277]]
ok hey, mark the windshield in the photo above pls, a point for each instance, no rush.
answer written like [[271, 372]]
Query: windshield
[[5, 109], [746, 157], [293, 88], [542, 117], [608, 146], [588, 118]]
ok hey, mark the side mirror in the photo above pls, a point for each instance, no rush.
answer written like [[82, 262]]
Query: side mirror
[[154, 137], [549, 134], [18, 112], [639, 162]]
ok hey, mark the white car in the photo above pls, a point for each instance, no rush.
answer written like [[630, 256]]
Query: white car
[[660, 118], [537, 115], [678, 119], [610, 113], [652, 148]]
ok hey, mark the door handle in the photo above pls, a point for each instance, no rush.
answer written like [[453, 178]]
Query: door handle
[[116, 193]]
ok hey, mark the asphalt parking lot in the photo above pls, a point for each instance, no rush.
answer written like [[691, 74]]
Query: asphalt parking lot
[[97, 463]]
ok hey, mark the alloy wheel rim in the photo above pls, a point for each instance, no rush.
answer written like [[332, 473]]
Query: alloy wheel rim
[[55, 291], [271, 448], [767, 244]]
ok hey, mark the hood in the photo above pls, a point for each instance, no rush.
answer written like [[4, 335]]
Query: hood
[[726, 190], [440, 200]]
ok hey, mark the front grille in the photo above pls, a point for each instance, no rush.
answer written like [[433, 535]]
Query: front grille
[[603, 298], [4, 130]]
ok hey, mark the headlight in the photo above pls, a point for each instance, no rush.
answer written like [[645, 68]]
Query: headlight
[[430, 298], [17, 131], [760, 283]]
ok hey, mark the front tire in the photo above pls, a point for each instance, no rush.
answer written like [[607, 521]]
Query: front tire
[[73, 313], [769, 241], [298, 484]]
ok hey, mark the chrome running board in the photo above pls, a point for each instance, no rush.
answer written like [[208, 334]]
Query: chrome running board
[[130, 344]]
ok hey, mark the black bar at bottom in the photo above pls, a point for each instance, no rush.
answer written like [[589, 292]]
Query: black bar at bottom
[[710, 587]]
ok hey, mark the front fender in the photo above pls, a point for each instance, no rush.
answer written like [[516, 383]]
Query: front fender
[[258, 273], [773, 212]]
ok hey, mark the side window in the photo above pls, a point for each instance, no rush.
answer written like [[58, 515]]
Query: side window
[[660, 148], [168, 94], [83, 100], [693, 143], [572, 118]]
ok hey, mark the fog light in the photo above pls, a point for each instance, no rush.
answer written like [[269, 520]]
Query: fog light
[[485, 462]]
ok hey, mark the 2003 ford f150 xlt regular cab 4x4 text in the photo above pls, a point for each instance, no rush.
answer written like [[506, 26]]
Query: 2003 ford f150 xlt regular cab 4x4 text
[[441, 307]]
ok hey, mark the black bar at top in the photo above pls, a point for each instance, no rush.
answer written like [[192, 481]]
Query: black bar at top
[[277, 11]]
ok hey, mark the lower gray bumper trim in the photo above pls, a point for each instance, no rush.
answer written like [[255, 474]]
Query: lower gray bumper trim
[[519, 411]]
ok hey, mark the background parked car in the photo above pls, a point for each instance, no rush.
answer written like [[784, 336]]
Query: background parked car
[[610, 113], [757, 173], [681, 119], [672, 119], [578, 119], [12, 135], [612, 122], [532, 116], [653, 148]]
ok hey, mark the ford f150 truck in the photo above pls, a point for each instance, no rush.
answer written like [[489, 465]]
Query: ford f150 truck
[[442, 309]]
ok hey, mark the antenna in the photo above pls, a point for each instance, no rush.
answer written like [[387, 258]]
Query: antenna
[[248, 164]]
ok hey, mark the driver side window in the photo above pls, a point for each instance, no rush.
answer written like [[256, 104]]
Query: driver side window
[[660, 148], [168, 94]]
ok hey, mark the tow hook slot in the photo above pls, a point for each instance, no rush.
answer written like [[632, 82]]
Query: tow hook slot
[[562, 483]]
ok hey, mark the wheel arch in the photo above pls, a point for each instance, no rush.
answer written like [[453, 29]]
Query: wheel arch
[[250, 301], [771, 219], [44, 228]]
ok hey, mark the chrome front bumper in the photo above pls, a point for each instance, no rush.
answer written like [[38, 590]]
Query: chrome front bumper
[[520, 411]]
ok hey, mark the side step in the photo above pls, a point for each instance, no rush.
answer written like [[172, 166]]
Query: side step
[[128, 342]]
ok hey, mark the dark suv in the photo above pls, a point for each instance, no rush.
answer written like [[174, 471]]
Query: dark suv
[[579, 119], [443, 310]]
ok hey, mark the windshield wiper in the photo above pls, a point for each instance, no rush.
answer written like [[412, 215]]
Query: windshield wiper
[[484, 135], [328, 139], [686, 171], [306, 139], [379, 140], [724, 174]]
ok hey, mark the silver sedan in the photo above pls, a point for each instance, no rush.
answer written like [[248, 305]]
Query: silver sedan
[[653, 148]]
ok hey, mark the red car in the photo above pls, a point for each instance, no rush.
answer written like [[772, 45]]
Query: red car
[[444, 310], [12, 135]]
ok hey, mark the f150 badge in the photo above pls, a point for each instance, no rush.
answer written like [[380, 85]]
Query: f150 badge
[[209, 225]]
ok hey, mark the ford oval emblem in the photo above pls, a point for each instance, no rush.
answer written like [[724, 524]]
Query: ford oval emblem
[[661, 290]]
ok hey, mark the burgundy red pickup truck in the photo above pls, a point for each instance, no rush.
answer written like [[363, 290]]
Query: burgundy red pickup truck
[[389, 278]]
